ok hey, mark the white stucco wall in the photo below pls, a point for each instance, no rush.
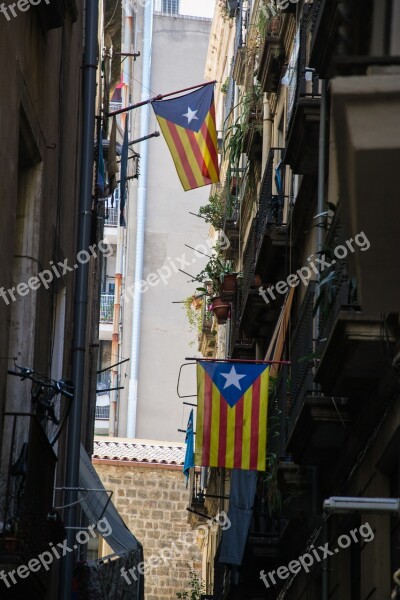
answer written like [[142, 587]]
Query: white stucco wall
[[178, 61]]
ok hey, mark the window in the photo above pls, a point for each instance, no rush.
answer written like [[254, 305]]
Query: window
[[170, 7]]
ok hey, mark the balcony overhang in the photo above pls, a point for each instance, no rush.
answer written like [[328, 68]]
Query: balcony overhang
[[252, 144], [271, 63], [244, 350], [302, 139], [324, 36], [366, 118], [259, 318], [319, 430], [353, 358]]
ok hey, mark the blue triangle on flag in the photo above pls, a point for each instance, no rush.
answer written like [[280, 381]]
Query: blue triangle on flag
[[233, 379], [188, 111]]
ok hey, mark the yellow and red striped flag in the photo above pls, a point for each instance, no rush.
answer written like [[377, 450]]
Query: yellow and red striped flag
[[231, 424], [188, 126]]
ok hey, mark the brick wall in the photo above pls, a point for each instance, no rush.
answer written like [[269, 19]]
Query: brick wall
[[152, 500]]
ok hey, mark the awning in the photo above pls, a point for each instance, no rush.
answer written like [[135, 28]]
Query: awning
[[241, 500], [120, 538]]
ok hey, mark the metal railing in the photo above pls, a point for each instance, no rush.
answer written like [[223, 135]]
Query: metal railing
[[303, 81], [207, 316], [235, 322], [111, 217], [271, 209], [106, 308], [301, 375], [102, 413], [337, 291], [249, 263], [26, 494], [230, 92], [115, 106]]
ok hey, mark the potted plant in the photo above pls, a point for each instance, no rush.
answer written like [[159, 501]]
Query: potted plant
[[228, 284], [212, 276], [213, 212], [192, 304], [269, 19]]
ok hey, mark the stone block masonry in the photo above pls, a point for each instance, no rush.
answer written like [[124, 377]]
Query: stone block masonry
[[152, 500]]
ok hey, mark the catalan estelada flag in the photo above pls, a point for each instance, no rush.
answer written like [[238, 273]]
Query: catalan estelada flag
[[231, 423], [188, 125]]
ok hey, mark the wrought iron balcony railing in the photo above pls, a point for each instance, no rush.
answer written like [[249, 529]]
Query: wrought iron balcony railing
[[301, 355], [111, 217], [249, 256], [337, 290], [102, 413], [106, 308], [271, 210], [26, 494]]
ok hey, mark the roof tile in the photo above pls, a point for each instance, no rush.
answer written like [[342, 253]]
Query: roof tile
[[139, 451]]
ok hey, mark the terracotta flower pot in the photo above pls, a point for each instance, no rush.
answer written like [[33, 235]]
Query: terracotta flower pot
[[220, 309], [228, 286]]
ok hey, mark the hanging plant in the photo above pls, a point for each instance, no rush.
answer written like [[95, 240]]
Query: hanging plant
[[192, 305], [213, 212], [196, 588]]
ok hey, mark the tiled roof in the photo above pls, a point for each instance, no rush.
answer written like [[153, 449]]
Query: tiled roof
[[147, 451]]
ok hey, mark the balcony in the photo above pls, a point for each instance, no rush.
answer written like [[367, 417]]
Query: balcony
[[304, 102], [207, 336], [111, 218], [341, 37], [272, 55], [28, 465], [106, 308], [102, 413], [370, 187], [317, 425], [353, 354], [272, 214], [258, 318]]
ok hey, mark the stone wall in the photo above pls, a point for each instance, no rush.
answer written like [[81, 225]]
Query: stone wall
[[152, 500]]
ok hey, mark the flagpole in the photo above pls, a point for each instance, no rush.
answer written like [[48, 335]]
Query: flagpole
[[238, 360], [159, 97]]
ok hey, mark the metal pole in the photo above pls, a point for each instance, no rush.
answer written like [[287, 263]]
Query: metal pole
[[159, 97], [81, 289], [240, 360], [321, 181], [325, 564]]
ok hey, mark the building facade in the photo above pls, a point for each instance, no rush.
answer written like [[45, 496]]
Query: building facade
[[152, 331], [150, 494], [50, 282]]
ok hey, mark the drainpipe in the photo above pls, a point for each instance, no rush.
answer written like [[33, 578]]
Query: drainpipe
[[320, 241], [321, 186], [89, 69], [115, 350], [140, 221], [322, 162], [325, 564], [115, 335]]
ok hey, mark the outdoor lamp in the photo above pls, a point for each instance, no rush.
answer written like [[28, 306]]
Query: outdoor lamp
[[343, 504]]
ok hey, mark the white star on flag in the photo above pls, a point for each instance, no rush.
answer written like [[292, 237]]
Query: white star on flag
[[191, 115], [232, 378]]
